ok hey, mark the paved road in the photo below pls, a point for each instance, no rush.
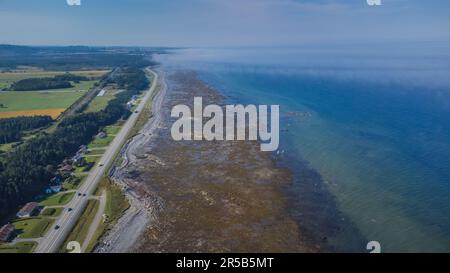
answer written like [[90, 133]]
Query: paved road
[[98, 219], [54, 238]]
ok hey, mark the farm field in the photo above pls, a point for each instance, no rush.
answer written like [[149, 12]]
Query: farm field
[[46, 102], [7, 78], [43, 102]]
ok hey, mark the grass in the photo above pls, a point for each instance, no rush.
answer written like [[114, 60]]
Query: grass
[[52, 212], [21, 247], [112, 129], [7, 78], [100, 142], [74, 182], [116, 205], [81, 228], [100, 103], [58, 199], [33, 227], [85, 168], [6, 147], [44, 99], [97, 152]]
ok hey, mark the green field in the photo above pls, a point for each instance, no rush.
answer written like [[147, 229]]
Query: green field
[[34, 227], [58, 199], [112, 130], [100, 102], [100, 142], [21, 247], [46, 99], [7, 78], [6, 147]]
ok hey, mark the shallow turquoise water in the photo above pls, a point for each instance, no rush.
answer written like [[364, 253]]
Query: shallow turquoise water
[[377, 131]]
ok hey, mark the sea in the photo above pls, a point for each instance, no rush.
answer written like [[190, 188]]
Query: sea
[[373, 121]]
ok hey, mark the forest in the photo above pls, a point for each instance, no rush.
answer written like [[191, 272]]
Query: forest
[[39, 84], [11, 128]]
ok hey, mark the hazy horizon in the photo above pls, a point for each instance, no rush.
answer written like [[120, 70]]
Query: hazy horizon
[[209, 23]]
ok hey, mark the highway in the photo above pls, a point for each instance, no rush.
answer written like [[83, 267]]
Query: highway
[[54, 238]]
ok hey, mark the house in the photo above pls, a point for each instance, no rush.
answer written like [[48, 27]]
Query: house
[[53, 189], [56, 180], [83, 149], [6, 233], [66, 168], [66, 161], [77, 158], [28, 210], [56, 188], [101, 135], [129, 105]]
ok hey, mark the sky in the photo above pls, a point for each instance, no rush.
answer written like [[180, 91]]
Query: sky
[[222, 23]]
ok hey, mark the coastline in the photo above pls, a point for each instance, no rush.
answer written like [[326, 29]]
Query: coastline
[[124, 234], [175, 190], [151, 183]]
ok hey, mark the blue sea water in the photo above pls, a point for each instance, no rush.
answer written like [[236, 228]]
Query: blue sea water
[[374, 124]]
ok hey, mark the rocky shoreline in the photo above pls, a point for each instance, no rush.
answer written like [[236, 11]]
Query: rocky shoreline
[[202, 196]]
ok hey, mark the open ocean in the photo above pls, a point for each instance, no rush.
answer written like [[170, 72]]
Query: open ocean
[[375, 124]]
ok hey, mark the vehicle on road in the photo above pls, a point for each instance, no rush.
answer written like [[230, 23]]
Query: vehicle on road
[[69, 209], [57, 227]]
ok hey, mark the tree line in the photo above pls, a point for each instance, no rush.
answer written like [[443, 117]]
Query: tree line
[[56, 82], [26, 170], [11, 128]]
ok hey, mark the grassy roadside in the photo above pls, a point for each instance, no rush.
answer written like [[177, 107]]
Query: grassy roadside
[[21, 247], [116, 205], [81, 228]]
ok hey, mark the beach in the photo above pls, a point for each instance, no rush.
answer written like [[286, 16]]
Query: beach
[[200, 196]]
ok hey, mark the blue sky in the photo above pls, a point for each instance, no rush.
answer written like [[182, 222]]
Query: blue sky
[[222, 22]]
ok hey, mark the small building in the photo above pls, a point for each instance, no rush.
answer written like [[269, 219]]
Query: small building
[[129, 105], [77, 158], [56, 180], [65, 162], [53, 189], [28, 210], [66, 168], [101, 135], [83, 149], [6, 233], [56, 188]]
